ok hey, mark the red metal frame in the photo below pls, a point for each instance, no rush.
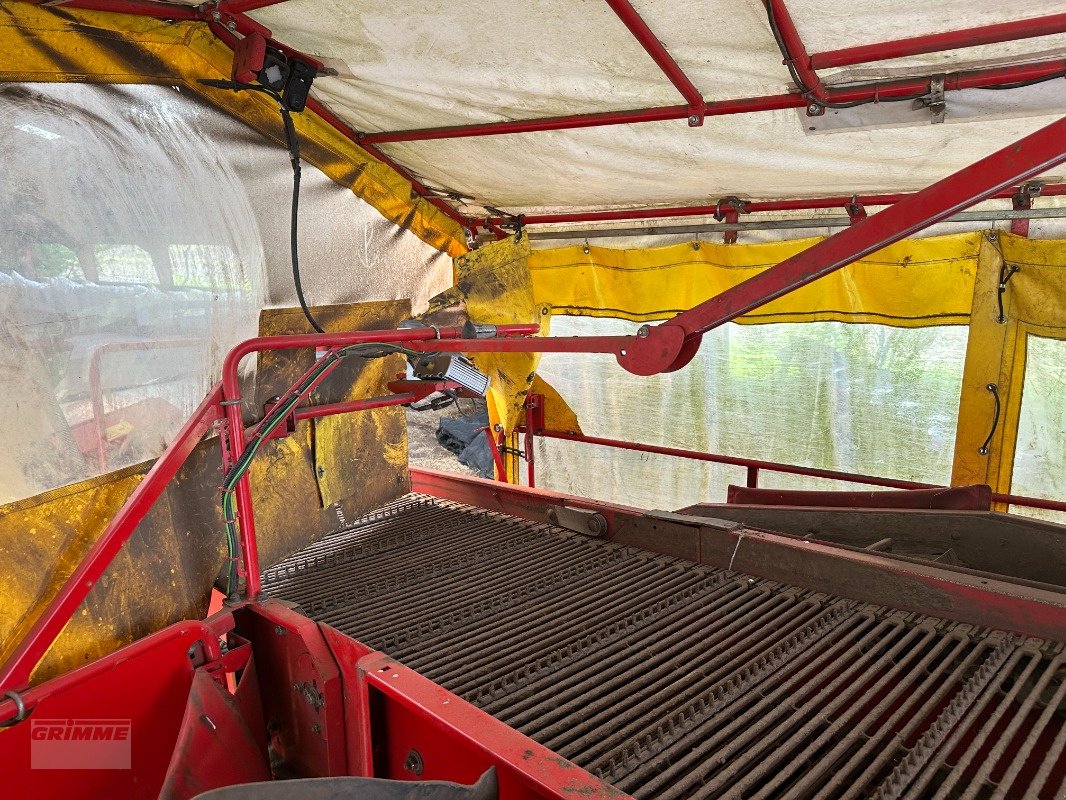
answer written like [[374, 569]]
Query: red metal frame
[[746, 207], [15, 672], [222, 402], [672, 344], [230, 18], [233, 438], [754, 467], [980, 78], [654, 48], [96, 396], [939, 42]]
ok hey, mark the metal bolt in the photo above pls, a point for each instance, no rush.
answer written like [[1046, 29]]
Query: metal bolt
[[316, 728], [231, 25], [693, 121], [215, 15], [280, 631], [413, 762], [812, 108], [643, 331]]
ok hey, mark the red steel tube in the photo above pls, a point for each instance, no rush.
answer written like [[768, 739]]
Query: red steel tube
[[736, 461], [243, 6], [314, 412], [1030, 156], [655, 114], [235, 422], [141, 8], [15, 673], [654, 48], [96, 394], [869, 92], [938, 42], [795, 52], [753, 466], [748, 206], [527, 447], [501, 470]]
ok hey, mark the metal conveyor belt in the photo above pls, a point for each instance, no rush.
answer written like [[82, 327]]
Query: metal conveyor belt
[[678, 681]]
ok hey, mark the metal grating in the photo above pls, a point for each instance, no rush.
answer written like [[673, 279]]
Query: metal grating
[[678, 681]]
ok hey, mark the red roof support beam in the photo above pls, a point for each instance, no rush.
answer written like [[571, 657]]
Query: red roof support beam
[[747, 206], [867, 92], [141, 8], [794, 53], [938, 42], [654, 48], [241, 6]]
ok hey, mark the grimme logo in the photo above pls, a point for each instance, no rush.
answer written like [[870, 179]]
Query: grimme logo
[[80, 743]]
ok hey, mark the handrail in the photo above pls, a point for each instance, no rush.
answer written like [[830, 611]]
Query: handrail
[[223, 401], [754, 466]]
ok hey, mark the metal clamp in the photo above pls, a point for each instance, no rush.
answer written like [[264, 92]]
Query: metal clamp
[[934, 101], [983, 450], [1006, 272], [20, 707]]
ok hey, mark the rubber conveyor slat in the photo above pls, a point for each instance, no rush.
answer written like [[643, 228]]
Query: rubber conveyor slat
[[674, 680]]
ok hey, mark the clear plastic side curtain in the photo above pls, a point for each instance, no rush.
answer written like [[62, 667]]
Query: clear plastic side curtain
[[55, 43], [902, 395], [142, 232]]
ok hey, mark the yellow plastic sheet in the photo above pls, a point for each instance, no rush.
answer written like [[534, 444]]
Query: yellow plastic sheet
[[909, 284], [67, 44]]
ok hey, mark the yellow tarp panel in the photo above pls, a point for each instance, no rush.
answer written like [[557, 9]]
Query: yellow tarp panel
[[912, 283], [66, 44], [1033, 302], [495, 284]]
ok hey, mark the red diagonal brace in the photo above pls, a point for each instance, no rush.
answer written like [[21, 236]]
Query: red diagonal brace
[[671, 345], [654, 48]]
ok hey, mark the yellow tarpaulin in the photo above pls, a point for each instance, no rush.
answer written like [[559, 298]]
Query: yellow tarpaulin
[[69, 44], [909, 284]]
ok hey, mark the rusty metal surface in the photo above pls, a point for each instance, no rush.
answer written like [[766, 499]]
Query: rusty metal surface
[[1007, 544], [671, 679], [360, 458]]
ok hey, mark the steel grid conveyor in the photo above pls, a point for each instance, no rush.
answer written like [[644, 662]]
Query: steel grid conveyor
[[674, 680]]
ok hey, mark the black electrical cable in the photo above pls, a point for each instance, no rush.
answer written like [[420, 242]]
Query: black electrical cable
[[294, 250], [284, 406], [293, 143]]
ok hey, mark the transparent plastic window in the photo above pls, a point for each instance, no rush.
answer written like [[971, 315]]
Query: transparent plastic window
[[858, 398], [141, 232]]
